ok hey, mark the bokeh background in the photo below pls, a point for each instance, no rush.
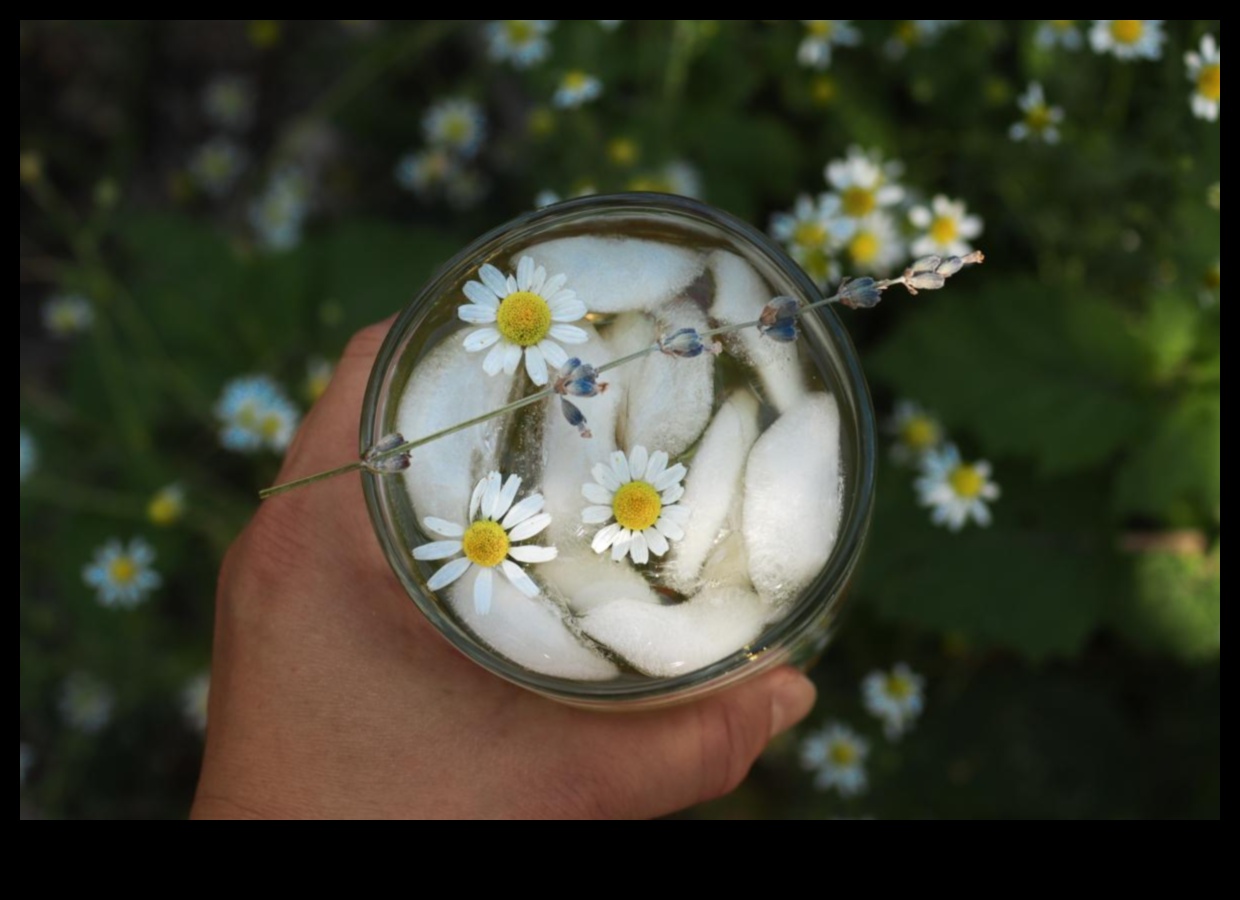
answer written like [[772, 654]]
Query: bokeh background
[[205, 201]]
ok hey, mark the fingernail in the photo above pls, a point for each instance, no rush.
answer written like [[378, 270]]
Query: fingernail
[[791, 702]]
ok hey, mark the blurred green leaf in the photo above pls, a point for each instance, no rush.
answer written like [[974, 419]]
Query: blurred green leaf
[[1181, 462], [1176, 606]]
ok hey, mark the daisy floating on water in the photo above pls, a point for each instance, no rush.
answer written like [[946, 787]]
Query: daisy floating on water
[[821, 36], [1060, 33], [812, 233], [639, 492], [1041, 121], [1128, 39], [948, 228], [488, 541], [956, 491], [122, 575], [254, 414], [68, 315], [526, 314], [837, 756], [1205, 70], [457, 125], [522, 42], [896, 698], [916, 431], [29, 459], [577, 88]]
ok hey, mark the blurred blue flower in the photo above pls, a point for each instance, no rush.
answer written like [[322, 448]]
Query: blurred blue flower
[[255, 413], [122, 576]]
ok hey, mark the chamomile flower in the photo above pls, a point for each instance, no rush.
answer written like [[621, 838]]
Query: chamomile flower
[[875, 245], [1041, 120], [29, 459], [217, 165], [956, 491], [86, 703], [522, 42], [577, 88], [638, 494], [821, 37], [489, 541], [896, 698], [229, 103], [916, 432], [812, 233], [424, 171], [278, 216], [255, 414], [865, 183], [194, 700], [1128, 39], [457, 125], [837, 756], [319, 374], [67, 315], [526, 315], [1205, 70], [167, 507], [122, 576], [948, 228], [1063, 33]]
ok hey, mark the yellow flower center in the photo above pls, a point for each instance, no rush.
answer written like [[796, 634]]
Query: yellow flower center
[[524, 318], [844, 754], [944, 230], [1209, 82], [907, 32], [520, 31], [920, 433], [1127, 31], [899, 688], [864, 248], [165, 509], [486, 544], [64, 319], [810, 235], [859, 202], [623, 152], [576, 81], [637, 506], [271, 426], [456, 129], [824, 90], [967, 482], [821, 28], [123, 571], [1039, 118], [817, 264]]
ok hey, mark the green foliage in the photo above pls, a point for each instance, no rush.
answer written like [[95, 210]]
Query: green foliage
[[1176, 607]]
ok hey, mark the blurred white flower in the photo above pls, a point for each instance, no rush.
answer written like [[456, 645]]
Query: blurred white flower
[[916, 431], [521, 42], [577, 88], [1041, 121], [896, 698], [821, 36], [279, 214], [167, 507], [229, 103], [217, 165], [1128, 39], [876, 247], [1060, 33], [837, 755], [865, 183], [947, 228], [123, 577], [86, 703], [1205, 70], [194, 700], [254, 413], [813, 232], [956, 491], [67, 315], [457, 125]]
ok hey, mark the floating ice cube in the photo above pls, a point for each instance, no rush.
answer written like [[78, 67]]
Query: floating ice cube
[[530, 632], [728, 563], [714, 482], [586, 581], [616, 275], [449, 387], [665, 641], [740, 295], [793, 501]]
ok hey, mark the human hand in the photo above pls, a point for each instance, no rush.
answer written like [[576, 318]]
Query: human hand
[[332, 697]]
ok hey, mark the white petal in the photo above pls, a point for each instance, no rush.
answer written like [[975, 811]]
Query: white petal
[[516, 575], [605, 538], [596, 493], [444, 528], [657, 542], [639, 458], [484, 587], [673, 494], [605, 476], [553, 285], [512, 358], [568, 310], [494, 279], [620, 549], [437, 550], [540, 279], [480, 340], [657, 465], [670, 477], [490, 499], [532, 526], [596, 515], [536, 366], [620, 466], [475, 501], [639, 550], [554, 354], [670, 529], [507, 495], [526, 509], [476, 315], [494, 363], [569, 334], [533, 555], [678, 514], [448, 574], [525, 273], [481, 295]]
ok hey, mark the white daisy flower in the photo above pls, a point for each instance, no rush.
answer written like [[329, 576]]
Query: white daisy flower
[[1041, 121], [167, 507], [638, 494], [489, 541], [255, 414], [865, 183], [821, 36], [522, 42], [123, 576], [217, 165], [67, 315], [577, 88], [1063, 33], [229, 103], [86, 703], [1128, 39], [27, 760], [948, 228], [526, 315], [812, 233], [29, 460], [1205, 70], [956, 491], [457, 125], [916, 431], [424, 171], [896, 698], [876, 246], [837, 756], [278, 216], [194, 700]]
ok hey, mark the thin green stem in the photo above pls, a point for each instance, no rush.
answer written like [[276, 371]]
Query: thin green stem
[[279, 489]]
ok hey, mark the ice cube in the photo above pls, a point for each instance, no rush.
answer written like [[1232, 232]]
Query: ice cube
[[665, 641], [616, 275], [713, 485], [793, 498], [449, 387], [740, 295], [669, 400], [586, 581], [530, 632]]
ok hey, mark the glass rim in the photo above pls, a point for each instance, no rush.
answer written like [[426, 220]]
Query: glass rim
[[733, 668]]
